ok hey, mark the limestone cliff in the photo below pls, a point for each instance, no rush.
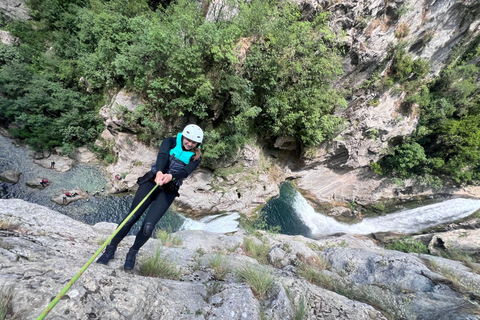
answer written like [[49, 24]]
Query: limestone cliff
[[338, 172]]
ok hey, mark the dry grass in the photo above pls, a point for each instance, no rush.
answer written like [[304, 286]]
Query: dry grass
[[402, 31], [168, 239]]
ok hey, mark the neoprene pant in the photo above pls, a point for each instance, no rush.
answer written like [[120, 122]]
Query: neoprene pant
[[159, 202]]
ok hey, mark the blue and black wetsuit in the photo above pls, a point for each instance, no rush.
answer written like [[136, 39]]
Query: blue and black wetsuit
[[171, 159]]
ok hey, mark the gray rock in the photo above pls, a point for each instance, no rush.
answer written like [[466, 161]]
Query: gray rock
[[35, 183], [8, 39], [63, 199], [46, 249], [10, 176], [466, 241], [62, 163], [14, 9]]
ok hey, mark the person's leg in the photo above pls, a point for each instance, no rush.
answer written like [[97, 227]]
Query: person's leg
[[156, 211], [142, 192]]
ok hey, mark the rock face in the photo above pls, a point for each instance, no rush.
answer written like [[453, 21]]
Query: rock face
[[339, 172], [242, 187], [41, 250], [14, 9]]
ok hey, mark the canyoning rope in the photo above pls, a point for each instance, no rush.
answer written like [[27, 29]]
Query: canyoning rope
[[52, 304]]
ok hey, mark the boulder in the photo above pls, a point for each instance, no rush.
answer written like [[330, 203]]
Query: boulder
[[35, 183], [63, 199], [48, 248], [10, 176], [460, 240], [62, 163]]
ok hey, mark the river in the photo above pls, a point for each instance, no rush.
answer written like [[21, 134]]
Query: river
[[289, 210]]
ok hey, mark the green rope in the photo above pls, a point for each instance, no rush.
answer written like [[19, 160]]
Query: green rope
[[82, 270]]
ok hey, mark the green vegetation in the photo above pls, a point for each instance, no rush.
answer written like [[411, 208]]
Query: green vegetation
[[300, 310], [407, 244], [212, 289], [74, 52], [259, 278], [311, 270], [446, 142], [167, 238], [161, 267], [260, 223], [217, 263], [256, 249]]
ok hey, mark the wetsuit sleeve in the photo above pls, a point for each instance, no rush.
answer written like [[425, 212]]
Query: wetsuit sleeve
[[185, 172], [164, 154]]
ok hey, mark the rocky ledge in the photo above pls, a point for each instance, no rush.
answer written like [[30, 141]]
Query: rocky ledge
[[349, 277]]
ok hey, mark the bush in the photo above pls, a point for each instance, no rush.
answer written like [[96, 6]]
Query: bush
[[5, 302], [180, 64], [407, 244], [217, 263]]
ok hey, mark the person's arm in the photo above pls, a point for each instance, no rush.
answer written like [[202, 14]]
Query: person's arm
[[164, 154], [181, 174]]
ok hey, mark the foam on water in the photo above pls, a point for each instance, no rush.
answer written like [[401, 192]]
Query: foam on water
[[220, 223], [407, 221]]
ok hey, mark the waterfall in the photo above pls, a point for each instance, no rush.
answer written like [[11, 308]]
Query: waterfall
[[405, 221]]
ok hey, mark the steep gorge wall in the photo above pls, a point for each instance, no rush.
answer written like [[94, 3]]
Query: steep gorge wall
[[338, 172]]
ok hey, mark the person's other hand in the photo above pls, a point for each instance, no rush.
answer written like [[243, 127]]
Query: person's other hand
[[166, 178], [159, 178]]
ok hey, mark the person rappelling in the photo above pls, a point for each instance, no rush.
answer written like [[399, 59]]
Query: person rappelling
[[177, 158]]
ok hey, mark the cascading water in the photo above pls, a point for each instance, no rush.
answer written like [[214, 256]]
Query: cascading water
[[405, 221], [227, 222]]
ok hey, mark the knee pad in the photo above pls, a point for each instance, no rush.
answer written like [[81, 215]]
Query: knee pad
[[148, 229]]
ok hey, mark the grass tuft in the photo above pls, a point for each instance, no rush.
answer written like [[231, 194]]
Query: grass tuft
[[256, 250], [259, 278], [5, 303], [161, 267], [168, 239], [217, 263]]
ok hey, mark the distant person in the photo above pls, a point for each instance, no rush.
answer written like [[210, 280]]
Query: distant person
[[118, 177], [44, 182], [52, 164], [176, 159], [64, 199]]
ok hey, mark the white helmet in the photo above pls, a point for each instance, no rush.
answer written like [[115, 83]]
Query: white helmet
[[193, 132]]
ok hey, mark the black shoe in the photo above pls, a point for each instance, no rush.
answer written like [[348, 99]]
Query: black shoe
[[130, 259], [107, 255]]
